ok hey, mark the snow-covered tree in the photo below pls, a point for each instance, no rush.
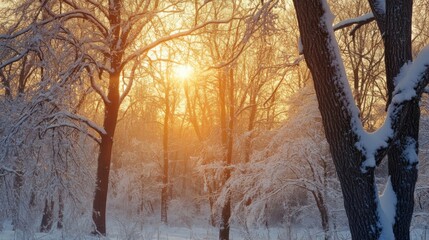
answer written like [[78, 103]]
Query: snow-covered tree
[[356, 152], [295, 158]]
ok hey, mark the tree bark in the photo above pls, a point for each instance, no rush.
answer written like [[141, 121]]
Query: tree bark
[[111, 109], [105, 155], [395, 26], [164, 190], [358, 186], [48, 216], [324, 214], [6, 85], [60, 223], [402, 166], [227, 143]]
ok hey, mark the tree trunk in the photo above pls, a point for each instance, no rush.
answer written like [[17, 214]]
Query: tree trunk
[[250, 127], [48, 216], [164, 190], [60, 211], [358, 186], [6, 85], [402, 165], [105, 156], [324, 214], [111, 108], [227, 143]]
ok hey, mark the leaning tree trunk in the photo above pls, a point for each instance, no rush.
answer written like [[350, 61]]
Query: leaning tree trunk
[[358, 186]]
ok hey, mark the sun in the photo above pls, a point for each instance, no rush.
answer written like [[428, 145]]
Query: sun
[[183, 72]]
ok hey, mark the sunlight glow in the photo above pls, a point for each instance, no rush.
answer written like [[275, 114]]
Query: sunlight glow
[[183, 72]]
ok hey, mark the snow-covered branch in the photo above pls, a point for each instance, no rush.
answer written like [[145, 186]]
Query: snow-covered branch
[[53, 126], [4, 169], [99, 6], [100, 130], [358, 21], [14, 59], [96, 87], [80, 13], [410, 84]]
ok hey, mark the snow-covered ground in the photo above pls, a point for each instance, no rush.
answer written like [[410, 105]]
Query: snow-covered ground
[[151, 232], [130, 231]]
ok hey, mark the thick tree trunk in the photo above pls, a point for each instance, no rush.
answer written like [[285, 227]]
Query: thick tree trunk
[[403, 174], [358, 186], [402, 165], [100, 198], [105, 155], [111, 108], [361, 209]]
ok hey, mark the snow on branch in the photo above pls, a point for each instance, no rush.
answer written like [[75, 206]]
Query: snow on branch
[[80, 13], [14, 59], [410, 84], [96, 87], [69, 125], [4, 170], [100, 130], [358, 21]]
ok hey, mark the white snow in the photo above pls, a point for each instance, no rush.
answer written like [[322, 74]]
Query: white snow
[[410, 76], [367, 143], [370, 142], [406, 84], [411, 151], [350, 21], [387, 211]]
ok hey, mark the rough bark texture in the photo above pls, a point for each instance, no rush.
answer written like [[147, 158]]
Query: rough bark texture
[[403, 174], [402, 169], [358, 187]]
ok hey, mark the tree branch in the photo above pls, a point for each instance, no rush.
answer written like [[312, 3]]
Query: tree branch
[[359, 22], [161, 40]]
